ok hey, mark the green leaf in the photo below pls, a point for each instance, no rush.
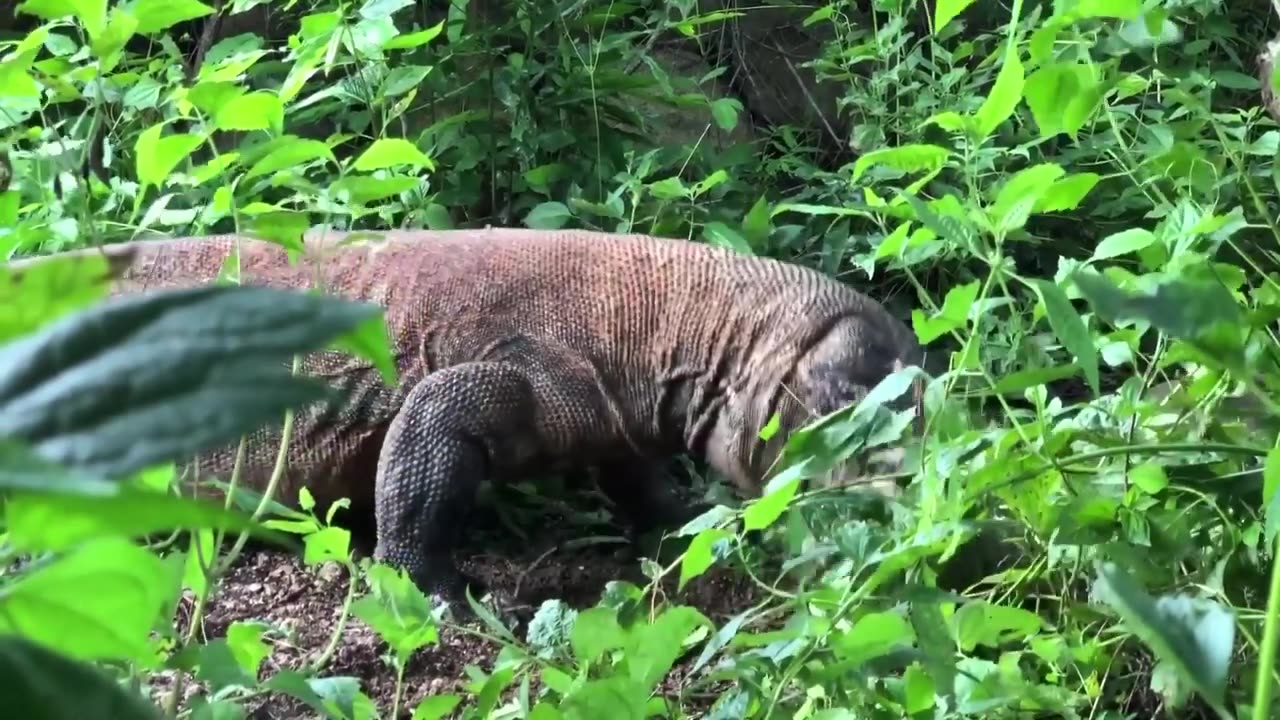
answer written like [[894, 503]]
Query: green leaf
[[1005, 95], [947, 10], [1123, 243], [671, 188], [156, 156], [390, 152], [699, 556], [1122, 9], [91, 13], [416, 39], [982, 623], [953, 315], [550, 215], [290, 151], [46, 521], [756, 224], [244, 639], [334, 696], [329, 543], [725, 112], [918, 689], [362, 190], [1194, 635], [147, 379], [1021, 192], [404, 78], [873, 635], [904, 158], [21, 468], [721, 235], [615, 696], [1149, 477], [252, 111], [218, 667], [1067, 193], [371, 340], [937, 644], [1061, 96], [211, 95], [98, 602], [40, 684], [37, 291], [1070, 329], [283, 227], [652, 649], [595, 632], [765, 511], [158, 15], [1181, 308], [397, 610], [436, 707], [16, 82]]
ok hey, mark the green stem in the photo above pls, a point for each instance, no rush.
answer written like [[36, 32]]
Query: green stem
[[1270, 638], [277, 474], [332, 647]]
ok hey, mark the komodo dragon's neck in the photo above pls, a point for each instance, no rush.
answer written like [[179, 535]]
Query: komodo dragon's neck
[[725, 360]]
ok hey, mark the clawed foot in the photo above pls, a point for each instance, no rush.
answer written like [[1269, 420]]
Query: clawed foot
[[450, 602]]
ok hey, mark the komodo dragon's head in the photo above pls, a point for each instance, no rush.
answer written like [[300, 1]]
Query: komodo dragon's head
[[835, 371]]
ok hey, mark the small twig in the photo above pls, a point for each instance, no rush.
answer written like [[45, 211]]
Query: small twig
[[207, 35], [536, 562]]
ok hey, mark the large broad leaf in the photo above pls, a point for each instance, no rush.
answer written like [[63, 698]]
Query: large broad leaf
[[97, 602], [39, 684], [142, 380], [1195, 636], [1199, 311]]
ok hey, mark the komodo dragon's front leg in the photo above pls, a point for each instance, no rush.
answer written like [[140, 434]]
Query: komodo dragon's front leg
[[436, 453]]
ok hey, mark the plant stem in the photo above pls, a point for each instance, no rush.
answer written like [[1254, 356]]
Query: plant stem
[[1270, 638]]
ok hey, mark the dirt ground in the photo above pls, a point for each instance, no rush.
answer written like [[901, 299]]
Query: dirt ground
[[274, 587]]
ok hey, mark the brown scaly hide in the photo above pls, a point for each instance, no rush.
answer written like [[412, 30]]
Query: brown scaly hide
[[526, 350]]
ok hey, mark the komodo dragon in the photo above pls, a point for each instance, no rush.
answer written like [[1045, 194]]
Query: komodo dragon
[[526, 349]]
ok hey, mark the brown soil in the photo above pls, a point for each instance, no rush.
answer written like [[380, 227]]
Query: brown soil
[[274, 587]]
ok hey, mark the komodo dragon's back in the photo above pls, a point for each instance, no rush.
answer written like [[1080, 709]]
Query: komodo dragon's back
[[522, 349]]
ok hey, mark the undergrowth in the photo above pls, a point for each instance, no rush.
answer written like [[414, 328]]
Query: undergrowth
[[1073, 207]]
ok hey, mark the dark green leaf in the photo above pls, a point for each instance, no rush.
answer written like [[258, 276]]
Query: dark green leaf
[[20, 467], [219, 668], [142, 380], [1179, 308], [549, 215], [39, 684], [1194, 635], [336, 697], [1070, 329]]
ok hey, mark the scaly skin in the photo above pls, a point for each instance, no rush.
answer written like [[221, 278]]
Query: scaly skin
[[523, 350]]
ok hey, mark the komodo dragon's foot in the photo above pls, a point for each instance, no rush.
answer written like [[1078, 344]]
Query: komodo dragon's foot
[[644, 500]]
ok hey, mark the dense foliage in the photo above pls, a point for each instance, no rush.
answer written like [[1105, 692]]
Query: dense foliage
[[1073, 202]]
